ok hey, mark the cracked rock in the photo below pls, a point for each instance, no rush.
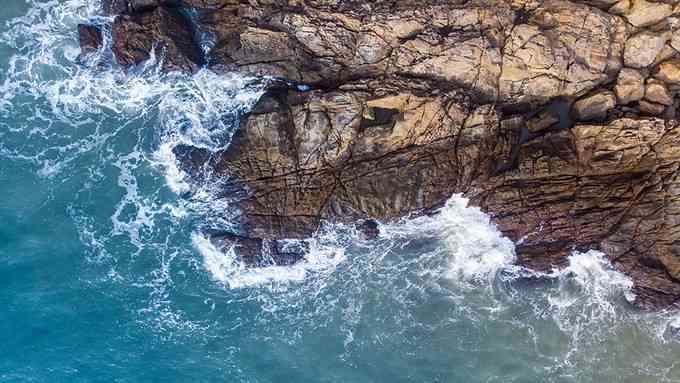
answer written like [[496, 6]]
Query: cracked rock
[[594, 107], [642, 49]]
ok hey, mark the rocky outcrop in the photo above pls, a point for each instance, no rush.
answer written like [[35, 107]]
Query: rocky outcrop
[[90, 38], [163, 31], [557, 117]]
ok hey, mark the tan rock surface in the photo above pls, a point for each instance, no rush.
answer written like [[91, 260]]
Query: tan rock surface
[[630, 86], [642, 49], [645, 13], [595, 106], [656, 91]]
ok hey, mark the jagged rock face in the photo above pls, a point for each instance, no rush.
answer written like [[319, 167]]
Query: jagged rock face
[[558, 118], [165, 31], [90, 38]]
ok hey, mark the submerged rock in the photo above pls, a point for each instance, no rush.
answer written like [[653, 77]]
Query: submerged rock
[[369, 229], [409, 102], [262, 253]]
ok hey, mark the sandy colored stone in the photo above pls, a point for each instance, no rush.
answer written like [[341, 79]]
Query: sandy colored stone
[[644, 13], [669, 72], [595, 106], [657, 92], [620, 8], [630, 86], [566, 50], [675, 40], [642, 49], [651, 108]]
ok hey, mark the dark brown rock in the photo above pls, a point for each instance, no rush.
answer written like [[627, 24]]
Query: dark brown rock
[[115, 7], [164, 30], [369, 229], [119, 7], [258, 252], [90, 37]]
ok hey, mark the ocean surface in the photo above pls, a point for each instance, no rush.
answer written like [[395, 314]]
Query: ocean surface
[[105, 275]]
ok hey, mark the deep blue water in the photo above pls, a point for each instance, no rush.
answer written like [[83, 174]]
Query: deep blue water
[[105, 276]]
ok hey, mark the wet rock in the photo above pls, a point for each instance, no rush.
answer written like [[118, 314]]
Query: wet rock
[[259, 253], [164, 31], [115, 7], [652, 262], [143, 5], [119, 7], [369, 229], [630, 86], [192, 160], [595, 106], [642, 49], [90, 38], [657, 92]]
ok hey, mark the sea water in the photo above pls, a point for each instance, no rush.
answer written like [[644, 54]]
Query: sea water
[[106, 275]]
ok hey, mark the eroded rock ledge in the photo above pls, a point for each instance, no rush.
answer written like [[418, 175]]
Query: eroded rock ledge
[[558, 118]]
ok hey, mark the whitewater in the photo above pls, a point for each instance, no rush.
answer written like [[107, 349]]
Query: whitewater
[[107, 273]]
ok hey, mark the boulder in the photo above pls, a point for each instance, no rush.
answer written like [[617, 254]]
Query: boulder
[[90, 38], [369, 229], [651, 108], [642, 49], [675, 40], [564, 50], [644, 13], [595, 106], [630, 86], [255, 252], [669, 72], [657, 92], [165, 31]]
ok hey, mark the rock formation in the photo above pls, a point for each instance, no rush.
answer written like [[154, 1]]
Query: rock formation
[[557, 117]]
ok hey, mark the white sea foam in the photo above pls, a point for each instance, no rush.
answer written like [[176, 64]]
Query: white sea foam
[[224, 267], [475, 248], [588, 289]]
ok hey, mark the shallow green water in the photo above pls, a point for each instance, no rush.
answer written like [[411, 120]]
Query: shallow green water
[[106, 277]]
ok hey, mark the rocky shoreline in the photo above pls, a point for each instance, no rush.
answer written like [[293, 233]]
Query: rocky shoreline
[[558, 118]]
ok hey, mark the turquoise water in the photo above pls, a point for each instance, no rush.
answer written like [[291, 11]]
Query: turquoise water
[[106, 277]]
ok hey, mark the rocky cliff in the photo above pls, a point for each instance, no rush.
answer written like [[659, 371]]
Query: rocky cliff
[[558, 118]]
